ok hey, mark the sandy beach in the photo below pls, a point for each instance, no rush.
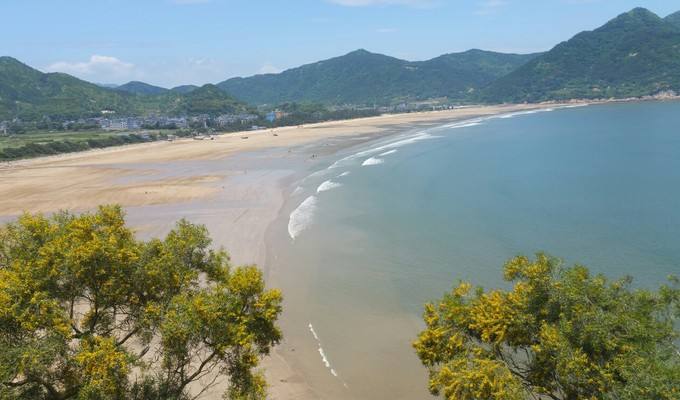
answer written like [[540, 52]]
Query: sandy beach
[[236, 185]]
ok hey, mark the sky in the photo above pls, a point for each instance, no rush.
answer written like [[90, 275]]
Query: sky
[[175, 42]]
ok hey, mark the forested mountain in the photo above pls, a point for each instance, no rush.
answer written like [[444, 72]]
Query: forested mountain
[[674, 19], [184, 88], [362, 77], [29, 94], [208, 99], [635, 54], [142, 88]]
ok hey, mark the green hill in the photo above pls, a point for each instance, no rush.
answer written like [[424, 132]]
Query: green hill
[[142, 88], [674, 19], [635, 54], [29, 94], [183, 89], [362, 77], [208, 99]]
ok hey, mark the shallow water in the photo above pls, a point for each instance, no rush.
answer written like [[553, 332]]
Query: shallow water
[[392, 225]]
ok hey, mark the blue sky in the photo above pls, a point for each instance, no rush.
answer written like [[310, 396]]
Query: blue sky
[[172, 42]]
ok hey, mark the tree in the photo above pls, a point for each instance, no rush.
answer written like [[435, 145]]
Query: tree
[[559, 333], [89, 312]]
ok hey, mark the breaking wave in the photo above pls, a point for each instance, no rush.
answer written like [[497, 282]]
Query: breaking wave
[[327, 185], [372, 161], [301, 218]]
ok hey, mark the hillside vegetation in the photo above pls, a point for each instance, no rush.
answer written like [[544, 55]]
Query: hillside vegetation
[[635, 54], [362, 77]]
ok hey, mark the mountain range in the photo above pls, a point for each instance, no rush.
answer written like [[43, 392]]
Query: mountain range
[[362, 77], [635, 54], [31, 95]]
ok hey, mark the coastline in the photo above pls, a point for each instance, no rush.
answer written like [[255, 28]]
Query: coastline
[[236, 187]]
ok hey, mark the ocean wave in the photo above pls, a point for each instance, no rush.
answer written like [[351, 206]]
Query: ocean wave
[[529, 112], [324, 359], [576, 105], [344, 174], [372, 161], [322, 353], [302, 217], [311, 329], [387, 153], [384, 147], [327, 185], [339, 163], [398, 143], [297, 191], [465, 124]]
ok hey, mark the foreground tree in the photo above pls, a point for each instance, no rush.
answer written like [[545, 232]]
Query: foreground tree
[[89, 312], [560, 333]]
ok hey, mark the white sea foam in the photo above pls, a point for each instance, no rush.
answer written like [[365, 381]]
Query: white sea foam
[[327, 185], [339, 163], [311, 329], [302, 217], [515, 114], [576, 105], [344, 174], [393, 145], [322, 353], [323, 358], [297, 191], [465, 124], [372, 161], [387, 153]]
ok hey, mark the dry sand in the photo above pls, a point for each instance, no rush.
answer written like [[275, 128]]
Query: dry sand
[[234, 185]]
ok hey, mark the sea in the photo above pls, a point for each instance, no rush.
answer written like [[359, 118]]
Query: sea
[[387, 226]]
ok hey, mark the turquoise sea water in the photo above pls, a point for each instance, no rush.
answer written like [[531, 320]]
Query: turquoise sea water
[[397, 223]]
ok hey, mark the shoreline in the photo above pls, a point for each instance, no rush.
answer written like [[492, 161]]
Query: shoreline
[[238, 188]]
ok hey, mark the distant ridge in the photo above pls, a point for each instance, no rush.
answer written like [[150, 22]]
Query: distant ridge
[[633, 55], [29, 94], [184, 89], [674, 19], [141, 88], [362, 77]]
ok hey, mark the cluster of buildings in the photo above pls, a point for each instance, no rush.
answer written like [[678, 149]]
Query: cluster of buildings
[[161, 122], [234, 119], [426, 105], [134, 123], [274, 115]]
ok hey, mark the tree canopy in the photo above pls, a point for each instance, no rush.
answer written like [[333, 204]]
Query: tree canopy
[[87, 311], [559, 333]]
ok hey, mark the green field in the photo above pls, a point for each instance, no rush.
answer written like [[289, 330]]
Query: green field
[[44, 137], [44, 143]]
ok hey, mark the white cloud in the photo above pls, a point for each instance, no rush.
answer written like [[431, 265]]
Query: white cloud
[[269, 69], [98, 66], [489, 7], [365, 3]]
